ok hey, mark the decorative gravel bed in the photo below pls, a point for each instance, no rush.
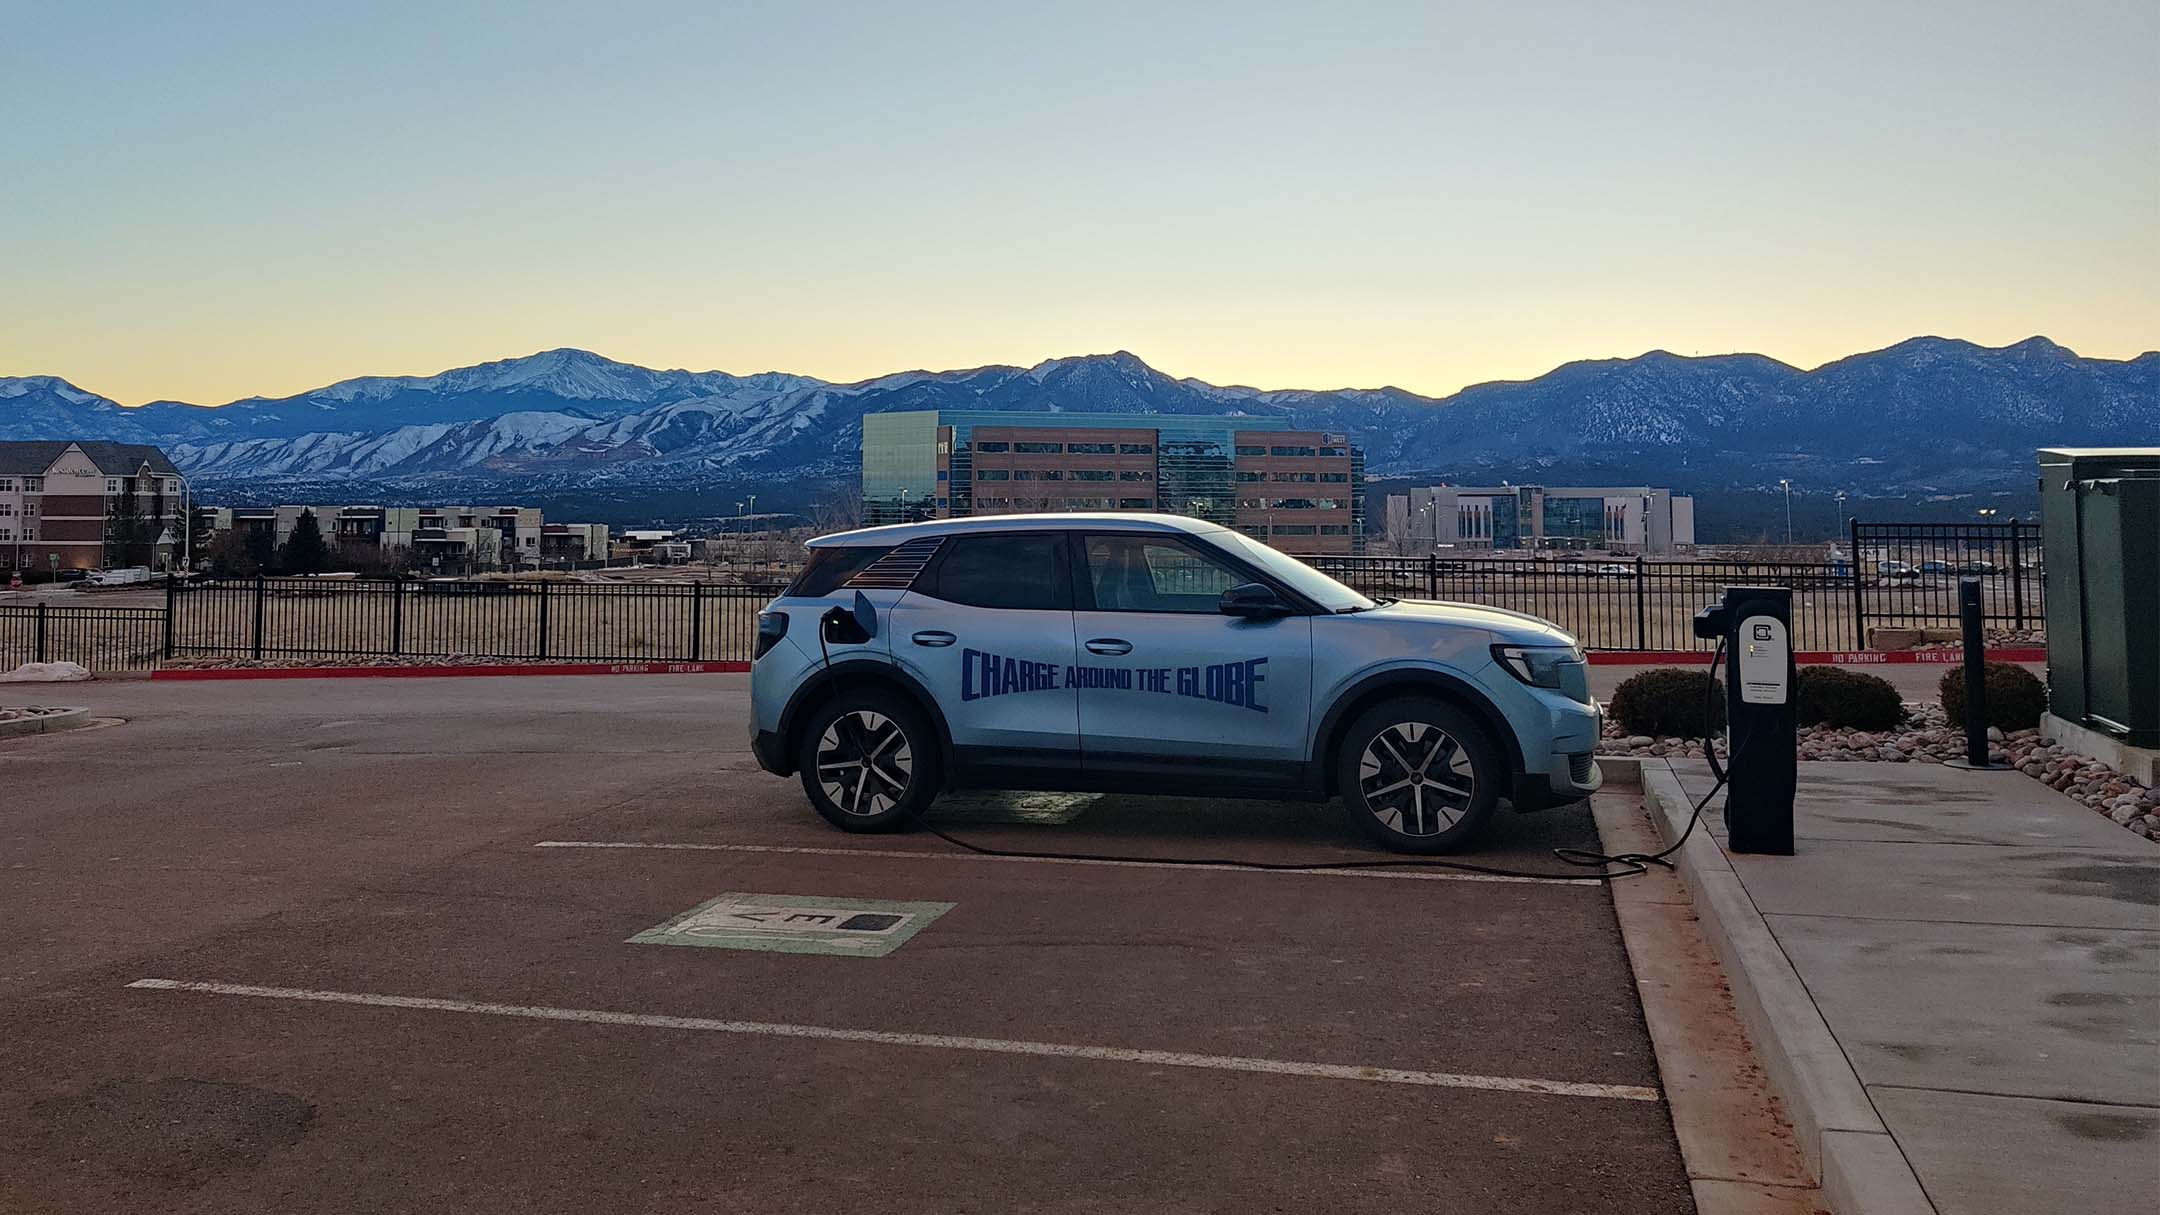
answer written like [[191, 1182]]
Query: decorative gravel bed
[[1928, 738]]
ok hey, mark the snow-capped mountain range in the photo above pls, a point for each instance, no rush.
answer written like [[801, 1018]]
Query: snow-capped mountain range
[[1926, 413]]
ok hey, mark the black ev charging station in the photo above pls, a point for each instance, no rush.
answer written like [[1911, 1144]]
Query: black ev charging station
[[1754, 626]]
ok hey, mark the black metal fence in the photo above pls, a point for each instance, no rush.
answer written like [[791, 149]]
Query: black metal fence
[[1893, 575], [1635, 604], [1908, 573], [99, 638], [285, 618]]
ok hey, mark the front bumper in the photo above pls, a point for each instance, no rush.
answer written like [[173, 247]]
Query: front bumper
[[1568, 778], [1568, 772]]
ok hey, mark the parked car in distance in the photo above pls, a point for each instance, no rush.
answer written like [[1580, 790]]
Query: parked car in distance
[[1934, 567], [134, 576], [1979, 567], [73, 575], [1896, 571], [1615, 570]]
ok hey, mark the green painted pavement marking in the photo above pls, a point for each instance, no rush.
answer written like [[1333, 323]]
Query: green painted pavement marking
[[793, 923]]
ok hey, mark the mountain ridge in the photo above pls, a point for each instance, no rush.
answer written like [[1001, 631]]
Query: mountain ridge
[[1927, 412]]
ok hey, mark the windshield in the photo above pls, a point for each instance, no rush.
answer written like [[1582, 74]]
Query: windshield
[[1291, 572]]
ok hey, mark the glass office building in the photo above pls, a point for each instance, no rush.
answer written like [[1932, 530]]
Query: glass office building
[[1301, 490]]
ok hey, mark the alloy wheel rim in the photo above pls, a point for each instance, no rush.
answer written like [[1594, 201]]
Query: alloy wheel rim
[[864, 762], [1416, 778]]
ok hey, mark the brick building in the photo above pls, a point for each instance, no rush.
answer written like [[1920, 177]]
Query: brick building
[[1301, 491], [66, 504]]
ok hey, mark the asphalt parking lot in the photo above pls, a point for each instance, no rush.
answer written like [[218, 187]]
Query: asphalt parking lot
[[366, 945]]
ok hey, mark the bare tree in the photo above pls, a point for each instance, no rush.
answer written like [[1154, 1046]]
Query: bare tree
[[837, 511]]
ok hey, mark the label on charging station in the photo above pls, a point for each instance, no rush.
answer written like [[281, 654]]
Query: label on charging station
[[1765, 664]]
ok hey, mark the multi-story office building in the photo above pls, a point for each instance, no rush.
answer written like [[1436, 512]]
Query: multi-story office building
[[1619, 519], [1302, 491], [64, 505]]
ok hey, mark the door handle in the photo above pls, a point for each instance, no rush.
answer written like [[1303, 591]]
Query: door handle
[[1109, 646], [934, 637]]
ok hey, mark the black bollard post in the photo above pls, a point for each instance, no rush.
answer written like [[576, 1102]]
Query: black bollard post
[[1976, 727]]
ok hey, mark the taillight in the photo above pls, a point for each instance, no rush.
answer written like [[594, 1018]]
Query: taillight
[[771, 627]]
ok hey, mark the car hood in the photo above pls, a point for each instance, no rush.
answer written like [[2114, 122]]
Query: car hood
[[1513, 628]]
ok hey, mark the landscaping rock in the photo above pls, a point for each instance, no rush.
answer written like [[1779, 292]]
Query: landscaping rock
[[1926, 738]]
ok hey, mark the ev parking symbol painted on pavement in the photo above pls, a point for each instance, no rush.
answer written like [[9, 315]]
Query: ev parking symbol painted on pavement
[[786, 923]]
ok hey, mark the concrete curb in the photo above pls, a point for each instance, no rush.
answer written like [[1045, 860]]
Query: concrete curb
[[65, 719], [1843, 1141]]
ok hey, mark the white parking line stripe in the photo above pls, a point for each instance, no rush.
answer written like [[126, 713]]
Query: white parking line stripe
[[998, 1046], [923, 855]]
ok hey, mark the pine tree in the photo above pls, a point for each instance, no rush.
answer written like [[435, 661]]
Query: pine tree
[[127, 534], [304, 551]]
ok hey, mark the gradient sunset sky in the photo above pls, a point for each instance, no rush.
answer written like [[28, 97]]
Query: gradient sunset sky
[[210, 201]]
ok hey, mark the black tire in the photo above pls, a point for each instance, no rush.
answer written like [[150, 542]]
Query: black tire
[[885, 794], [1419, 775]]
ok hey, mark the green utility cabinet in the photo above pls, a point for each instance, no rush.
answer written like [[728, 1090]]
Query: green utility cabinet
[[2100, 521]]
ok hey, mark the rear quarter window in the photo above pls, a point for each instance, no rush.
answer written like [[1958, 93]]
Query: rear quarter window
[[829, 567]]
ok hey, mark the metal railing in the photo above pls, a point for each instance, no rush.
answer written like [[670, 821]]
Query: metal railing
[[1905, 574], [1632, 604], [284, 618], [98, 638], [1908, 573]]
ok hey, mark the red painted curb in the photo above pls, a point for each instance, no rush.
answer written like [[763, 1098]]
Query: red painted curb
[[567, 668], [1817, 658]]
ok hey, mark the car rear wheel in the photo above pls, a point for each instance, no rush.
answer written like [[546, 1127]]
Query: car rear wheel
[[1418, 775], [868, 761]]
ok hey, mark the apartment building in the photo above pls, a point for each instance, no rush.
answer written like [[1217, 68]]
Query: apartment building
[[1302, 491], [453, 538], [1620, 519], [79, 504]]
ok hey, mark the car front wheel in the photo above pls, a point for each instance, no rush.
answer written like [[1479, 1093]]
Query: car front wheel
[[1418, 775], [868, 761]]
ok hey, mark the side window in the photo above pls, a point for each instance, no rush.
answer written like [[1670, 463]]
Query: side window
[[1148, 574], [1019, 572]]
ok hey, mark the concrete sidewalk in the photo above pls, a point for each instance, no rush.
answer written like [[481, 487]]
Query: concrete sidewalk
[[1955, 985]]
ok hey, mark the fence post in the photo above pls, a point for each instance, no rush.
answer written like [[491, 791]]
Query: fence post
[[1859, 599], [543, 620], [259, 583], [1975, 642], [37, 644], [168, 646], [397, 615], [1432, 576], [697, 622], [1642, 607], [2017, 577]]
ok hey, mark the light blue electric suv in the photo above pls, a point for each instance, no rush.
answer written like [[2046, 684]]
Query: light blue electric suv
[[1154, 654]]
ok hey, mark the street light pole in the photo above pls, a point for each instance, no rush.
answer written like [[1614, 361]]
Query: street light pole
[[1787, 486]]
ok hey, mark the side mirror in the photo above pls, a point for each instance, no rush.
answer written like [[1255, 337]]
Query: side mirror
[[1252, 601]]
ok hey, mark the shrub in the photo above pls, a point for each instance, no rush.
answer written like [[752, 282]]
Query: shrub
[[1669, 701], [1853, 699], [2015, 696]]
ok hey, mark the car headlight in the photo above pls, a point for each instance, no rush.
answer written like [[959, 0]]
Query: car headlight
[[1559, 667]]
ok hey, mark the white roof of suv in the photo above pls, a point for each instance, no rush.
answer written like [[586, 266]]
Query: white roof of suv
[[1133, 521]]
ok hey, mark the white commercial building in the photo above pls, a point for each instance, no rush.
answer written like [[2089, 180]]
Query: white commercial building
[[1614, 519]]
